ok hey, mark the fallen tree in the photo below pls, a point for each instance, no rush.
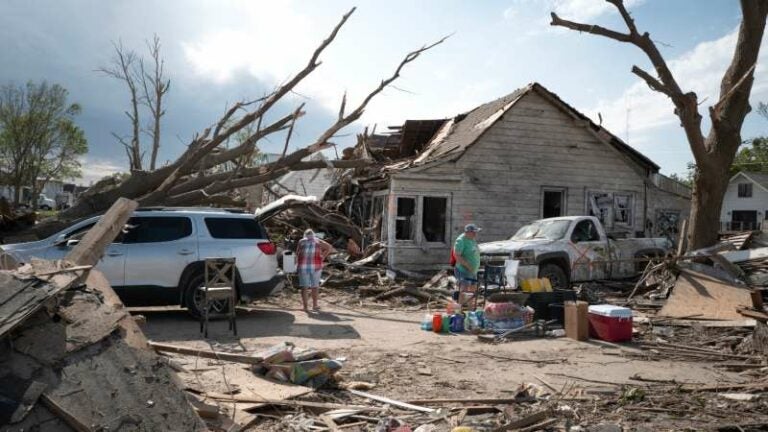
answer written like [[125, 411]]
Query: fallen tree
[[207, 173]]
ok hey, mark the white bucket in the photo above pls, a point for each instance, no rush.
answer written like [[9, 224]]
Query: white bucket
[[289, 262]]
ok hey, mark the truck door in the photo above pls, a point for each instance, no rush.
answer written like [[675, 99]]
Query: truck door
[[589, 252]]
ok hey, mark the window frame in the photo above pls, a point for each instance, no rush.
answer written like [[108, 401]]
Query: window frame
[[748, 190], [610, 221], [446, 231], [563, 203], [188, 218], [415, 221]]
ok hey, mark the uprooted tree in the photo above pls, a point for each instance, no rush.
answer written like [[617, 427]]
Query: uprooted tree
[[715, 152], [207, 172]]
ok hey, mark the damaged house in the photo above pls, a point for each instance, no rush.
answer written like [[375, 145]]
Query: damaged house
[[522, 157]]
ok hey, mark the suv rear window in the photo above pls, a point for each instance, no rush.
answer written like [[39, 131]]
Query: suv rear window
[[235, 228], [157, 229]]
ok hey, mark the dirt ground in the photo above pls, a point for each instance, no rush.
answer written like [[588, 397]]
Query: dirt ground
[[385, 346]]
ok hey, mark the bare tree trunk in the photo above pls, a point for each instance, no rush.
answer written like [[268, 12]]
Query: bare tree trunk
[[123, 68], [155, 87], [708, 192]]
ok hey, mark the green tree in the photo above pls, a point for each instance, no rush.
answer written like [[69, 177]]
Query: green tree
[[39, 140], [753, 157]]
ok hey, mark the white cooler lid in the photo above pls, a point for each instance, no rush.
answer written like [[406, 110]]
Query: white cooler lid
[[611, 311]]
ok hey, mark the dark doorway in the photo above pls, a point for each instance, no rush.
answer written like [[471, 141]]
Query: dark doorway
[[742, 220], [554, 203]]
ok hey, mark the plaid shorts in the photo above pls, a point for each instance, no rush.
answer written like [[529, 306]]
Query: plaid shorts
[[309, 279]]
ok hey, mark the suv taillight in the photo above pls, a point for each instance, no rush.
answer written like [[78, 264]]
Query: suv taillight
[[267, 247]]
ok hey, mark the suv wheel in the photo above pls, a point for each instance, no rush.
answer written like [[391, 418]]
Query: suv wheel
[[194, 298], [556, 276], [45, 207]]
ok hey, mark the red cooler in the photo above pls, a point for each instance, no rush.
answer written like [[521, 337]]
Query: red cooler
[[610, 323]]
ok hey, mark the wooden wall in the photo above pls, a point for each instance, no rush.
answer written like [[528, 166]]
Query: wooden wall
[[499, 180]]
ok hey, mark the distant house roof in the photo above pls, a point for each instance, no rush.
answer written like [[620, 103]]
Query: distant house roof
[[456, 135], [761, 179]]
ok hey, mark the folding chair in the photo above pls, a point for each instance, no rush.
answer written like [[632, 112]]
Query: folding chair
[[493, 276], [218, 286]]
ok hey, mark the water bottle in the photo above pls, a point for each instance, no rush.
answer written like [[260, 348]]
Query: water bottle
[[426, 322], [437, 322], [457, 323]]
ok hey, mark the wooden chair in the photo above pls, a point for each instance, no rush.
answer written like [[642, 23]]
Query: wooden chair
[[218, 286]]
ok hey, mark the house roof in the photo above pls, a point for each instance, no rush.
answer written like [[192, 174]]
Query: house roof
[[761, 179], [458, 134]]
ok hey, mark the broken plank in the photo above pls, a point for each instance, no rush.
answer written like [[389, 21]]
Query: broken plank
[[215, 355], [393, 402], [499, 401], [90, 249], [288, 402], [745, 255]]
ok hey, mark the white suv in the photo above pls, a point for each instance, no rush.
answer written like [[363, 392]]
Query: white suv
[[158, 258]]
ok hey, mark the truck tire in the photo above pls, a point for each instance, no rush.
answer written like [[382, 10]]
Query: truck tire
[[193, 297], [556, 275]]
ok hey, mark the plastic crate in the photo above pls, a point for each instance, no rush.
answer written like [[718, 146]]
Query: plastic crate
[[540, 302]]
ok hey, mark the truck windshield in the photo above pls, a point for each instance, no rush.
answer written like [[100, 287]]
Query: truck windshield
[[543, 229]]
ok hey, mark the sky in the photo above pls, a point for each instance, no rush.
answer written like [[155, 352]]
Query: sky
[[218, 52]]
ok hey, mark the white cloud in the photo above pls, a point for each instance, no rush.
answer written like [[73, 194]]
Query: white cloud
[[263, 45], [699, 70], [95, 169]]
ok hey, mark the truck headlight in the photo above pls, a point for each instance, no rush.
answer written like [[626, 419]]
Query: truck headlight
[[526, 257]]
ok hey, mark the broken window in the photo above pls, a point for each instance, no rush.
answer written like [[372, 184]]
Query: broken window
[[745, 190], [622, 209], [611, 208], [404, 221], [553, 203], [600, 206], [433, 218]]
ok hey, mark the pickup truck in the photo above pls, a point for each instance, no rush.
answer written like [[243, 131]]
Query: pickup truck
[[572, 249]]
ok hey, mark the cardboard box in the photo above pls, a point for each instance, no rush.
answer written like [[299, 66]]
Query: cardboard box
[[577, 320]]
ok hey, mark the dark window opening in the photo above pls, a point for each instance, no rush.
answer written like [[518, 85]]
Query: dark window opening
[[235, 228], [156, 229], [553, 204], [404, 226], [585, 231], [433, 219], [745, 190]]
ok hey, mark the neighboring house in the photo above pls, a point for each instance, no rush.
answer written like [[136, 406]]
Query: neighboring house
[[525, 156], [745, 205], [304, 183]]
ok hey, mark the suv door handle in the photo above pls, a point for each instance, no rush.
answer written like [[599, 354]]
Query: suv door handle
[[114, 253], [186, 252]]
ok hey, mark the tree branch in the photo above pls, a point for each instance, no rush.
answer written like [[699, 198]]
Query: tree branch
[[594, 29]]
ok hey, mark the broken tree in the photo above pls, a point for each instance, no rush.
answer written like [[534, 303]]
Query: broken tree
[[207, 172], [714, 153]]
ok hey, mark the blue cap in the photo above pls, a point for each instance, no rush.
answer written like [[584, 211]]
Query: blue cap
[[472, 228]]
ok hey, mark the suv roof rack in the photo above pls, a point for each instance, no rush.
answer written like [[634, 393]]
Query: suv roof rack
[[200, 209]]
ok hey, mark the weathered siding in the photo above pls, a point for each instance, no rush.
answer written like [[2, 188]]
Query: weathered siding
[[534, 145], [665, 212]]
